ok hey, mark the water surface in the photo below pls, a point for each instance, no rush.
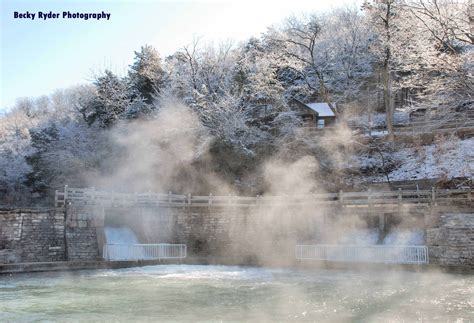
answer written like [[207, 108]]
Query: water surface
[[225, 293]]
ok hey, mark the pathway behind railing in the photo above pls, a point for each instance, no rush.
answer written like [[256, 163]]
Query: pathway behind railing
[[364, 254], [77, 196], [144, 251]]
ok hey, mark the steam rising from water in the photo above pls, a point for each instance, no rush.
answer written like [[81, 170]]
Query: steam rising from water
[[172, 152], [151, 155], [220, 293]]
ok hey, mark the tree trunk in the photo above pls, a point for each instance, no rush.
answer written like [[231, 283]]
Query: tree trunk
[[386, 75], [388, 100]]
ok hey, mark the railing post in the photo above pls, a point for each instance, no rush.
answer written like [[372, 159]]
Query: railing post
[[400, 196], [257, 199], [65, 194], [433, 195], [469, 196], [368, 197], [189, 198], [56, 198], [382, 222], [210, 199], [169, 198], [341, 197]]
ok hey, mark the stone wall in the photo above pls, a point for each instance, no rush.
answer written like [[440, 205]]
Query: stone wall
[[84, 233], [243, 234], [46, 235], [250, 235], [451, 242], [31, 235]]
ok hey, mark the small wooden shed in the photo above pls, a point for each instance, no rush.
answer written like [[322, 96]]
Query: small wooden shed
[[315, 114]]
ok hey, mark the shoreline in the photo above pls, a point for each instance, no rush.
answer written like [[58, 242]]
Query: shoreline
[[66, 266]]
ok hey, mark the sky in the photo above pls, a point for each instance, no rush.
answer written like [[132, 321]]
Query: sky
[[39, 56]]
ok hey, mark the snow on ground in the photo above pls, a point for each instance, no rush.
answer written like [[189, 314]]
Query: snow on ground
[[377, 120], [453, 157], [378, 133]]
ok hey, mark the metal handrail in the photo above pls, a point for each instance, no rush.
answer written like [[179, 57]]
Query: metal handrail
[[139, 251], [397, 254]]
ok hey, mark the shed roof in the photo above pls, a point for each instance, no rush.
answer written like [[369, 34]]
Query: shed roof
[[322, 109]]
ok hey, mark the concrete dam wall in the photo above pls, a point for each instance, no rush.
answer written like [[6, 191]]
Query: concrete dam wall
[[240, 235]]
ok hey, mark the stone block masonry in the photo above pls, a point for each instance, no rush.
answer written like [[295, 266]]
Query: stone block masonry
[[451, 243], [31, 235], [246, 234], [82, 236], [48, 235]]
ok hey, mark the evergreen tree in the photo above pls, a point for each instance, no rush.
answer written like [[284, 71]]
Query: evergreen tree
[[113, 98], [146, 73]]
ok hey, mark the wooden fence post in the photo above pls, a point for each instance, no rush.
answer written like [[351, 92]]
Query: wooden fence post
[[189, 198], [169, 198], [433, 195], [400, 196], [341, 197], [65, 194], [210, 199], [368, 197]]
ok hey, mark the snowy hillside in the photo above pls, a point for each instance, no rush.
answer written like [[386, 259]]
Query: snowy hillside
[[451, 158]]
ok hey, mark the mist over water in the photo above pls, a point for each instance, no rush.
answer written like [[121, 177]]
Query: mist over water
[[175, 154], [168, 153], [214, 293], [120, 235]]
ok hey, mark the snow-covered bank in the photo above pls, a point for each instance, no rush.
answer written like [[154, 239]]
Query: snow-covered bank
[[447, 157]]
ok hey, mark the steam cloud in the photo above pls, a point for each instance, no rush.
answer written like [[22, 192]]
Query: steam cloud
[[171, 152]]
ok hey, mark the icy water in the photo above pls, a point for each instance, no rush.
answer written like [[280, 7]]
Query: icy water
[[222, 293]]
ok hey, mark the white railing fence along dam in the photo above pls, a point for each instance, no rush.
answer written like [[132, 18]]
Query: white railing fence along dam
[[122, 251], [91, 196], [366, 254]]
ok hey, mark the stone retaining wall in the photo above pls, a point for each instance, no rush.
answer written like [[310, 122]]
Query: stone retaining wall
[[31, 235], [246, 234], [84, 230], [48, 235], [451, 243]]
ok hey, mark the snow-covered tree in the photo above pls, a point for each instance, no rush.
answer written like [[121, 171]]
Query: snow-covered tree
[[448, 21], [329, 52], [256, 79], [65, 151], [385, 17], [111, 101], [146, 73], [445, 27], [14, 147]]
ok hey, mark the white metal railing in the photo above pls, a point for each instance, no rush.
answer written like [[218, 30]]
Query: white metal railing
[[117, 251], [365, 198], [368, 254]]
